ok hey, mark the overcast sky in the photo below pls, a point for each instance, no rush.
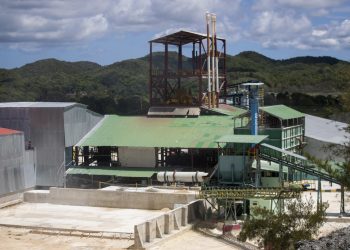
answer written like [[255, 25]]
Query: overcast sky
[[106, 31]]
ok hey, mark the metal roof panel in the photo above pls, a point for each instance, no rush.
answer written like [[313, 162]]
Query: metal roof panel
[[242, 139], [181, 36], [142, 131], [283, 112], [39, 104], [326, 130]]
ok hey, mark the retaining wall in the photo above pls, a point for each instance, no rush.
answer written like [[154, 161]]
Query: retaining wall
[[109, 198], [154, 230]]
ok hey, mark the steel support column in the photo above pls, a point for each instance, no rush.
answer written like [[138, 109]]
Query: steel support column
[[150, 90], [342, 200]]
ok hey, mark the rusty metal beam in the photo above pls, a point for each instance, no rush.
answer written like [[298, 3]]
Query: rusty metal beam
[[150, 74]]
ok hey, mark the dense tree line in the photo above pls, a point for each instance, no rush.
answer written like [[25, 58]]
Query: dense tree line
[[122, 87]]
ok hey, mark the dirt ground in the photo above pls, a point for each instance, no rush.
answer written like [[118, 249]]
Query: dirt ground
[[333, 200], [19, 238], [23, 239], [192, 240]]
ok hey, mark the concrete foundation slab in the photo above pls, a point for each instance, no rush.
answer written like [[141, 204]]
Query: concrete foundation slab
[[75, 217]]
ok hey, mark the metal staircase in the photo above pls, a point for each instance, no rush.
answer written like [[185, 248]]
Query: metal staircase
[[293, 161], [300, 163]]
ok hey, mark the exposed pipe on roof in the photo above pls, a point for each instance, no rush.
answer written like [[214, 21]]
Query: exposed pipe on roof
[[174, 176], [217, 90], [212, 51], [207, 15]]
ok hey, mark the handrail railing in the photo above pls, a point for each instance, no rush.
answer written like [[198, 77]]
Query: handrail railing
[[293, 161]]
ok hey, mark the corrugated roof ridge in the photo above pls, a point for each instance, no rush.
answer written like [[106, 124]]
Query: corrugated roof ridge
[[99, 124], [274, 109], [39, 104], [328, 120], [7, 131]]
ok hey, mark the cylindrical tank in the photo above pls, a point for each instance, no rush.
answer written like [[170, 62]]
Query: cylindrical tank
[[173, 176]]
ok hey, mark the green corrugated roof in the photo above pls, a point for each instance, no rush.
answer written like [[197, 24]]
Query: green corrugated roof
[[243, 139], [130, 172], [234, 112], [141, 131], [283, 112]]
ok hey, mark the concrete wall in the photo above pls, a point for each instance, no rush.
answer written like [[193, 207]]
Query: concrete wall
[[137, 157], [111, 198], [17, 166], [319, 150], [155, 229]]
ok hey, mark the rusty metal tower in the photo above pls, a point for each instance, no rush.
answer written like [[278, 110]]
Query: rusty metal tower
[[176, 79]]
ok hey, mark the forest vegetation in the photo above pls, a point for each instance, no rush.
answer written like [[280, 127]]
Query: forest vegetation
[[311, 84]]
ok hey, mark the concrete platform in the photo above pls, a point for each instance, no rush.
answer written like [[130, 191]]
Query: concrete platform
[[69, 217]]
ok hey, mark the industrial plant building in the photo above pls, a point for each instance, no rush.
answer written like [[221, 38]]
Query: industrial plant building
[[51, 129], [200, 133], [189, 128], [17, 164]]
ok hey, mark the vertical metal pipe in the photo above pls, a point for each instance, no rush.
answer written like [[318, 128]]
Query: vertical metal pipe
[[342, 202], [179, 66], [200, 73], [319, 198], [217, 81], [216, 54], [281, 177], [194, 61], [166, 54], [208, 59], [86, 155], [258, 169], [224, 70], [76, 155], [254, 109], [212, 51], [150, 74]]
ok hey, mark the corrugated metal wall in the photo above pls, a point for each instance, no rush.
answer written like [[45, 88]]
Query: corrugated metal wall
[[137, 157], [16, 118], [50, 130], [47, 136], [29, 168], [77, 122], [16, 165]]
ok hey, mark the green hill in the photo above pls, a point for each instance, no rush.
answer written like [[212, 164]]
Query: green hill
[[122, 87], [311, 75]]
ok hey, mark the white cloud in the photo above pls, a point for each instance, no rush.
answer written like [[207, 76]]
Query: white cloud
[[319, 32], [280, 25], [93, 26], [34, 24], [53, 22], [170, 31], [311, 3], [299, 4]]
